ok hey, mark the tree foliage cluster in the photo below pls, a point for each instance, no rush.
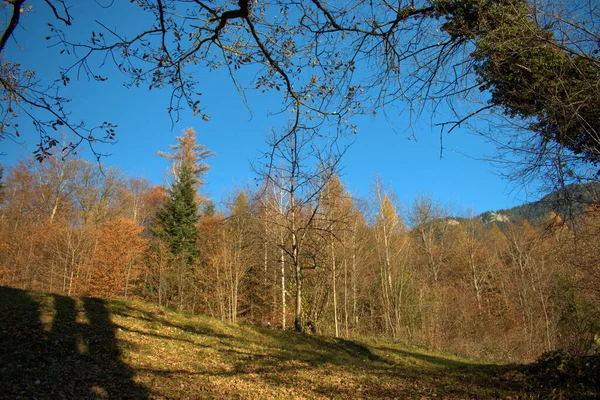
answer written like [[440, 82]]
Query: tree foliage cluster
[[178, 218], [533, 74], [326, 263], [72, 227]]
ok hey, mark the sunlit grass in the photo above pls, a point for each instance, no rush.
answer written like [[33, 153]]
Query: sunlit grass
[[82, 348]]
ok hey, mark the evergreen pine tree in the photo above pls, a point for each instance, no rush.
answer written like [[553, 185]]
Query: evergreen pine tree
[[177, 219]]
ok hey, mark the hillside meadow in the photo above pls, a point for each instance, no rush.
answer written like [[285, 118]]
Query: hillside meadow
[[68, 347]]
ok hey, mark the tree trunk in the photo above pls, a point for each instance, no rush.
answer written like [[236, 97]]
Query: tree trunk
[[333, 273], [346, 295], [127, 277], [265, 280], [475, 281], [283, 307], [354, 315], [298, 323]]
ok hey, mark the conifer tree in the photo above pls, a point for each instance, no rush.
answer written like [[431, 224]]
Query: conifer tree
[[187, 150], [177, 220]]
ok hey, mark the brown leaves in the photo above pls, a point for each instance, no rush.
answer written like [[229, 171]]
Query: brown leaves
[[118, 254]]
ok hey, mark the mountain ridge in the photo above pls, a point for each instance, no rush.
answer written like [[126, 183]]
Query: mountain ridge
[[568, 203]]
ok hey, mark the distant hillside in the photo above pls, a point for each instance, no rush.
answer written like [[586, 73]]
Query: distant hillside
[[571, 201], [64, 347]]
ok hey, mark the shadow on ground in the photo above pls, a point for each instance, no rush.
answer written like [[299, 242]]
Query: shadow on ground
[[73, 355], [61, 347]]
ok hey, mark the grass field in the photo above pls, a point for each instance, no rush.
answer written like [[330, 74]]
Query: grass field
[[61, 347]]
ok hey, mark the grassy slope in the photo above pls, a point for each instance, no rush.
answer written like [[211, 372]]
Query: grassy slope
[[61, 347]]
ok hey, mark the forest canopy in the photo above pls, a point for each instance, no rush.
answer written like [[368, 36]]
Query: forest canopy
[[333, 264]]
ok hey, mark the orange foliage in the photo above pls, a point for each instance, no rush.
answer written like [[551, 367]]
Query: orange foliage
[[117, 257]]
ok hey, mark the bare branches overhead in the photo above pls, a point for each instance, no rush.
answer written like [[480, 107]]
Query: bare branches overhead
[[327, 62]]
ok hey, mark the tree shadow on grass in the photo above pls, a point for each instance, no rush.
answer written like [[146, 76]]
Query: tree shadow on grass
[[128, 311], [318, 349], [75, 354], [381, 379], [59, 347], [433, 360], [339, 368]]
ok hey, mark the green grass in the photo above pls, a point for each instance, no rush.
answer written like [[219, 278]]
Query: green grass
[[61, 347]]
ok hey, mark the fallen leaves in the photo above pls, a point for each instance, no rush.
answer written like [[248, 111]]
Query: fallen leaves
[[139, 350]]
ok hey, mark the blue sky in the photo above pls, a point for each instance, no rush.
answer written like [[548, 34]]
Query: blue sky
[[382, 146]]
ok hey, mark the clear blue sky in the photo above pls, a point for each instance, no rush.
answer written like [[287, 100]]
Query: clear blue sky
[[237, 137]]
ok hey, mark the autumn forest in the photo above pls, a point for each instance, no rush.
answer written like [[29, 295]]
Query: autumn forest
[[318, 260]]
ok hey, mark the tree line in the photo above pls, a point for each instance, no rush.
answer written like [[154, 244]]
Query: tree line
[[317, 260]]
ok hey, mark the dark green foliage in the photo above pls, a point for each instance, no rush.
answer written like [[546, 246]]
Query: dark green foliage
[[558, 374], [177, 219], [530, 74], [463, 17], [208, 209], [578, 319]]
